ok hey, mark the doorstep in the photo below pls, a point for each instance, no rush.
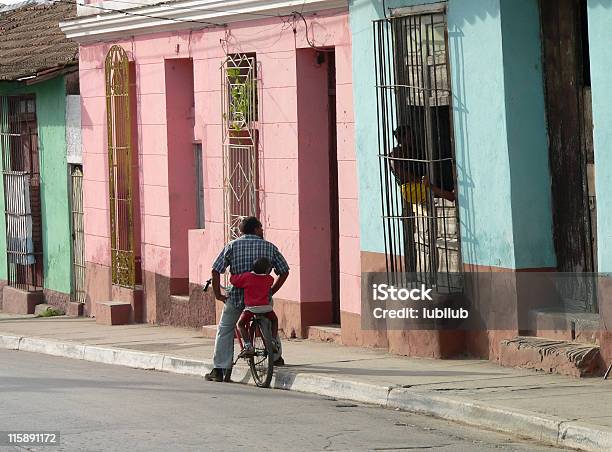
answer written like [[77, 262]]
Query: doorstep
[[325, 333], [552, 356], [17, 301]]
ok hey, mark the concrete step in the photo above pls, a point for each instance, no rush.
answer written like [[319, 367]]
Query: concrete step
[[553, 356], [113, 313], [17, 301], [580, 327], [209, 331], [325, 333], [179, 298]]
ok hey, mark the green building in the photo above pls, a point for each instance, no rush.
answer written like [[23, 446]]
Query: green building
[[41, 249]]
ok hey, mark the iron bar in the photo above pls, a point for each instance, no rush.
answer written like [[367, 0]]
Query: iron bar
[[119, 129], [417, 163]]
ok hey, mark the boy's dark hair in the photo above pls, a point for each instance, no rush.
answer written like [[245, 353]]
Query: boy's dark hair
[[262, 266], [249, 224]]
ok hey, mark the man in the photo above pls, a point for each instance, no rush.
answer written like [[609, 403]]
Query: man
[[239, 256]]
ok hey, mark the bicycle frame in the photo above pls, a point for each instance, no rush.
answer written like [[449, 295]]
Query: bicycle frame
[[237, 334], [259, 326]]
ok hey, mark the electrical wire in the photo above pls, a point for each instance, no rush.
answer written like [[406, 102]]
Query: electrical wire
[[310, 44], [284, 18]]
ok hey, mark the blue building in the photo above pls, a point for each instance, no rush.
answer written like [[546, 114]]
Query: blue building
[[497, 112]]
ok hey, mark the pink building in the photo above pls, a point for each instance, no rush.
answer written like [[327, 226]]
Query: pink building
[[206, 112]]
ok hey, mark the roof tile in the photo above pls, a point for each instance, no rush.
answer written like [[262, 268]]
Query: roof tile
[[31, 40]]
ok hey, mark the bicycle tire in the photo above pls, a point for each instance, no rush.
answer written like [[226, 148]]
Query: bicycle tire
[[261, 370]]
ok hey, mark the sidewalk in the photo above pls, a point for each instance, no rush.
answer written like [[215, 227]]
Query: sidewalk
[[550, 408]]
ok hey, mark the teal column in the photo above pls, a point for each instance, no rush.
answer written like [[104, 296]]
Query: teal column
[[500, 133], [600, 18]]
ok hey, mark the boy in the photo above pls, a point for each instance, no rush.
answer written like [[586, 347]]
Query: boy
[[256, 285]]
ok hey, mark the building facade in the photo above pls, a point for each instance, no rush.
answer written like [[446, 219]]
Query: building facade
[[41, 239], [193, 121], [521, 87]]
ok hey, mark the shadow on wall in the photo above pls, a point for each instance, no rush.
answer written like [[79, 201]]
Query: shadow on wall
[[465, 182], [470, 12]]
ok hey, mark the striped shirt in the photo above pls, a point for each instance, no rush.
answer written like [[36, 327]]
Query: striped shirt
[[239, 256]]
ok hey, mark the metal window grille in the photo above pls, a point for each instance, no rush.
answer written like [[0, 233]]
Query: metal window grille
[[197, 148], [240, 140], [22, 203], [119, 124], [417, 166], [78, 235]]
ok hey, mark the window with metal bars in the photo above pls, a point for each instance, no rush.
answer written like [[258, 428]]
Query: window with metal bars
[[240, 140], [22, 197], [417, 166], [120, 162], [199, 172], [78, 234]]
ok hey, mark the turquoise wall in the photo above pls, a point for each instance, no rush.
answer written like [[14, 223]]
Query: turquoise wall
[[527, 135], [500, 130], [51, 117], [600, 18]]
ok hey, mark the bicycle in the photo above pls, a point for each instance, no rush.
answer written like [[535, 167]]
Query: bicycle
[[261, 361]]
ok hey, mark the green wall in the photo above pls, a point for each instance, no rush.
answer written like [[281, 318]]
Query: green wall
[[51, 117]]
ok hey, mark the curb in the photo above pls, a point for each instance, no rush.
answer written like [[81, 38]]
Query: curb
[[552, 430]]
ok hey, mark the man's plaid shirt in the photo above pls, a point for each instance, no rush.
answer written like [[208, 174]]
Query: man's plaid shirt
[[239, 256]]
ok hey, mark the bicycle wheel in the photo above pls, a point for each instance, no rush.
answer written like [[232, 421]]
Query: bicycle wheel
[[262, 362]]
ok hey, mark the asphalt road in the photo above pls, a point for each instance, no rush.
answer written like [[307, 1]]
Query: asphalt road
[[98, 407]]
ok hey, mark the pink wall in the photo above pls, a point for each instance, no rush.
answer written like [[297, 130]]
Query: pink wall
[[275, 45]]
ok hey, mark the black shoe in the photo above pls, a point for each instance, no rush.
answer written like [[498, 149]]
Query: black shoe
[[279, 362], [227, 375], [214, 375]]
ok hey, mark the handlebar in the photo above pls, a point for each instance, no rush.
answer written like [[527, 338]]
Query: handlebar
[[209, 282]]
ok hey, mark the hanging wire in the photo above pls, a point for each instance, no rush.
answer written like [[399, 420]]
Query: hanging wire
[[310, 43], [284, 18]]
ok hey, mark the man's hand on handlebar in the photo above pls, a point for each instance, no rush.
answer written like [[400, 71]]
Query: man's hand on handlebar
[[216, 283]]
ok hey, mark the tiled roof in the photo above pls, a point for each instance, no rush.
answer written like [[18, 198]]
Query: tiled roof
[[31, 40]]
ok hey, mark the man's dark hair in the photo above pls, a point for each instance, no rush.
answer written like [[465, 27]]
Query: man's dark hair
[[249, 224], [262, 266]]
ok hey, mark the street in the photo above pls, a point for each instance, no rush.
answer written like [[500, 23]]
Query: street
[[98, 407]]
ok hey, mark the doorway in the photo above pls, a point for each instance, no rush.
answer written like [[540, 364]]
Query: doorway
[[318, 185], [570, 138], [22, 192], [334, 209]]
